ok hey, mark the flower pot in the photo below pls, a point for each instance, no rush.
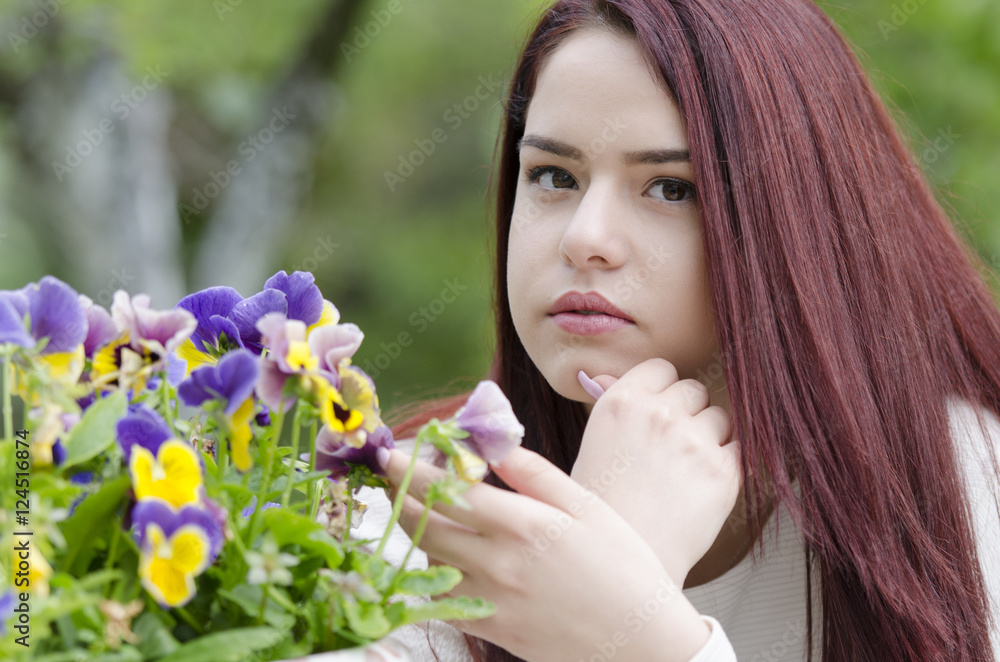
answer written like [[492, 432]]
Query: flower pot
[[380, 651]]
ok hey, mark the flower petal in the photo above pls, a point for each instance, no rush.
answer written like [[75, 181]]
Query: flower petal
[[334, 343], [211, 308], [305, 302], [488, 418], [246, 313], [56, 313], [142, 426], [101, 328]]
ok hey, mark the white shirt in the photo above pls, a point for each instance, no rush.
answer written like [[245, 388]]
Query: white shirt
[[756, 614]]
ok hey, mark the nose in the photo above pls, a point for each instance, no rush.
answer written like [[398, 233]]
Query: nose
[[594, 237]]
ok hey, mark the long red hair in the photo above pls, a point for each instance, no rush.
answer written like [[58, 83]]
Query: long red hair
[[847, 311]]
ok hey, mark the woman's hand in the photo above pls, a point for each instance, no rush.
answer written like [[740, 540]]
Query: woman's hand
[[656, 452], [569, 576]]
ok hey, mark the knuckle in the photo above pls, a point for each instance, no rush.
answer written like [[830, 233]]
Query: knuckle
[[663, 417], [693, 391], [667, 366]]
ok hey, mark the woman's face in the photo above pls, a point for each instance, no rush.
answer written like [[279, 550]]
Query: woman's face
[[606, 204]]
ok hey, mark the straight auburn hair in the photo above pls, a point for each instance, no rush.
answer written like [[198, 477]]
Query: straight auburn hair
[[847, 311]]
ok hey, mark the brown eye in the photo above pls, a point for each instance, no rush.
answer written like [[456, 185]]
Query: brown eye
[[673, 190], [551, 178]]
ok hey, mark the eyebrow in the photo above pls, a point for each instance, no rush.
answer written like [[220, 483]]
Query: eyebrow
[[644, 157]]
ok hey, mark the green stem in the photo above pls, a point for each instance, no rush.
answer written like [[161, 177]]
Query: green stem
[[296, 429], [189, 619], [417, 535], [314, 509], [397, 505], [112, 553], [350, 511], [222, 456], [312, 468], [265, 479], [263, 602], [8, 409]]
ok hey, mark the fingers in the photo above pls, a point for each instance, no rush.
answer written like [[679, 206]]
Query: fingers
[[491, 508], [716, 422], [654, 374], [530, 474], [687, 395], [444, 541]]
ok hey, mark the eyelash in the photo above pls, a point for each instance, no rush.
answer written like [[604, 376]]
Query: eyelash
[[532, 175]]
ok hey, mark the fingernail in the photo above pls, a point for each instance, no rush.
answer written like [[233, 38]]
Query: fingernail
[[382, 457], [592, 388]]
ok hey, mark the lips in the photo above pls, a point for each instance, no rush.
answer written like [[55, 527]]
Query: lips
[[588, 314], [589, 303]]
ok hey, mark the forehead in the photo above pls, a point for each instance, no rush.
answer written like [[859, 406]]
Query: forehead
[[597, 79]]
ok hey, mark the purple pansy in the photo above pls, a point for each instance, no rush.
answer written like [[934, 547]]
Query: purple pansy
[[211, 308], [142, 426], [231, 380], [54, 310], [492, 426], [336, 457], [221, 310], [157, 511]]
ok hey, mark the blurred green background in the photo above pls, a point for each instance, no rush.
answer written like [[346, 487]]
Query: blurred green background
[[164, 146]]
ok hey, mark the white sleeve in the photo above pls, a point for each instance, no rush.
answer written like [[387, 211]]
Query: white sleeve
[[982, 485], [717, 648]]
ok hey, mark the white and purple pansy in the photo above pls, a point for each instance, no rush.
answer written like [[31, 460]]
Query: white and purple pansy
[[336, 457]]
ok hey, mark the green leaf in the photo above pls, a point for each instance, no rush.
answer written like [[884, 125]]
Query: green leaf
[[366, 619], [248, 598], [229, 646], [462, 608], [156, 638], [124, 654], [290, 528], [435, 580], [96, 431], [94, 514]]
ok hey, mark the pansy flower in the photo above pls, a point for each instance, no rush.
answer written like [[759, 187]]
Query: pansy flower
[[48, 309], [337, 458], [144, 427], [231, 382], [313, 357], [147, 339], [227, 321], [175, 547], [173, 473], [482, 432], [101, 328], [352, 412]]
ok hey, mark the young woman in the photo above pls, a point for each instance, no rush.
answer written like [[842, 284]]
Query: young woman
[[703, 205]]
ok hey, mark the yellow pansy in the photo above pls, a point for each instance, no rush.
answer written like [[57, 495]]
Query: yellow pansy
[[173, 475], [168, 566]]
